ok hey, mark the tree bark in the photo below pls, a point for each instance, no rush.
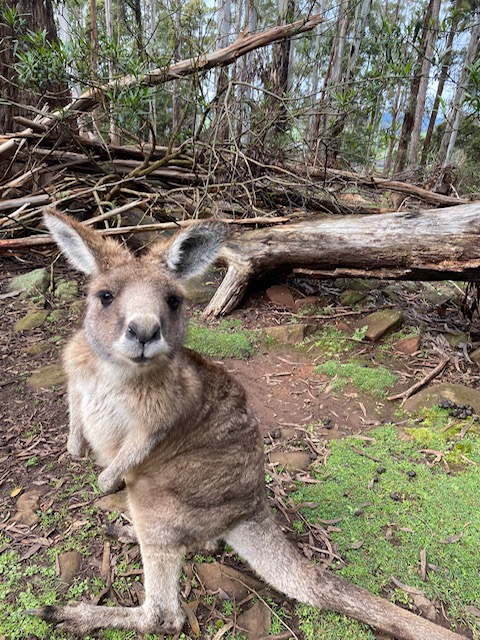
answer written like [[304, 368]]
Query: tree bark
[[447, 61], [453, 120], [409, 116], [15, 97], [430, 39], [425, 245]]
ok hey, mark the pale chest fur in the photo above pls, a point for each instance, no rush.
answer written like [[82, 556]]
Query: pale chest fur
[[106, 416]]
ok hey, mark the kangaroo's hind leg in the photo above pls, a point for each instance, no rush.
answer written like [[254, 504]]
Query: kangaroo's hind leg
[[160, 613]]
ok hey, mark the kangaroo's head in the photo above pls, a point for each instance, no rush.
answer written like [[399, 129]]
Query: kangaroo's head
[[135, 307]]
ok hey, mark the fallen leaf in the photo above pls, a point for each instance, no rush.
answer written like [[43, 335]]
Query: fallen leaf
[[452, 539], [16, 491], [357, 545]]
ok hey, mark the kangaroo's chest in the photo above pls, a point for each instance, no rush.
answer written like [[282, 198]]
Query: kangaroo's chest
[[106, 416]]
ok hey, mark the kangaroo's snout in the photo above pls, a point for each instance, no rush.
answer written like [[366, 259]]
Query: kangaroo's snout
[[144, 329]]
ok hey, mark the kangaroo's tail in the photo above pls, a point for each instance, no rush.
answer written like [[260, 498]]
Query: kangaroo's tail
[[260, 542]]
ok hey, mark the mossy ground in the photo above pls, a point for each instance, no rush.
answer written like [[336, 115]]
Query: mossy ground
[[386, 523], [226, 340], [372, 380]]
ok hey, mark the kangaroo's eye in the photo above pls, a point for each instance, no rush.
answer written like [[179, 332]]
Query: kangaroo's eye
[[106, 298], [173, 302]]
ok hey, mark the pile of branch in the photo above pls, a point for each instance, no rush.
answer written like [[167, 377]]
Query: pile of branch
[[50, 163]]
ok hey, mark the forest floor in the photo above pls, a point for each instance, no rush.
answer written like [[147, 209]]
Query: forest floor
[[385, 493]]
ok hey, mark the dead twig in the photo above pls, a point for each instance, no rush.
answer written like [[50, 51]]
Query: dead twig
[[421, 383]]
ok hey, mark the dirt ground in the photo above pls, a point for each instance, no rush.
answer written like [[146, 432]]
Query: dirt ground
[[286, 394]]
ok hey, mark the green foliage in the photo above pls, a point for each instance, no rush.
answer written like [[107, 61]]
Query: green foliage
[[373, 380], [227, 340], [385, 524], [40, 62]]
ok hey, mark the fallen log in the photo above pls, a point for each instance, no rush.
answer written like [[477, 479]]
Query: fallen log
[[425, 245], [409, 189]]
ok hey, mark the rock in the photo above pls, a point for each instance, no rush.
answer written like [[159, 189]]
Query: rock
[[67, 291], [350, 297], [456, 339], [343, 327], [288, 333], [55, 315], [408, 345], [69, 563], [255, 623], [308, 303], [475, 356], [235, 584], [113, 502], [32, 283], [48, 376], [360, 284], [380, 322], [202, 288], [27, 505], [444, 391], [291, 460], [77, 307], [37, 349], [32, 320], [281, 295]]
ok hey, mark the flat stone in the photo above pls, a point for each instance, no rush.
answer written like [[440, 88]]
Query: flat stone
[[360, 284], [55, 315], [27, 506], [235, 584], [309, 302], [32, 283], [281, 295], [350, 297], [431, 396], [32, 320], [287, 333], [69, 563], [291, 460], [48, 376], [475, 356], [408, 345], [37, 348], [77, 307], [67, 291], [380, 322], [113, 502], [456, 339], [255, 623]]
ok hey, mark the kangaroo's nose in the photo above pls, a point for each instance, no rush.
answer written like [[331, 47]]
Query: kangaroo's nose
[[143, 332]]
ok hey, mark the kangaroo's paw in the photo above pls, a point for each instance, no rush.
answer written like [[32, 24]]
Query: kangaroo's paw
[[109, 482], [81, 619]]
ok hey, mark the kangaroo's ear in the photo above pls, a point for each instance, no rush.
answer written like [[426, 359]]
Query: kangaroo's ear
[[85, 249], [195, 249]]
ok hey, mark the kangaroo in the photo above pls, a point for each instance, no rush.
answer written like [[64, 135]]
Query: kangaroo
[[176, 428]]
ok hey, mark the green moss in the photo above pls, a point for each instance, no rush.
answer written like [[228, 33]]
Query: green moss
[[372, 380], [411, 507], [226, 340], [329, 341]]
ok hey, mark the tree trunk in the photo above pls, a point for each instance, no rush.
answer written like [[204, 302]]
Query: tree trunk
[[36, 16], [453, 120], [430, 39], [409, 115], [447, 61], [445, 247]]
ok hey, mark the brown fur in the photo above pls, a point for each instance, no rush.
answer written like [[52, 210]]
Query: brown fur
[[177, 429]]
